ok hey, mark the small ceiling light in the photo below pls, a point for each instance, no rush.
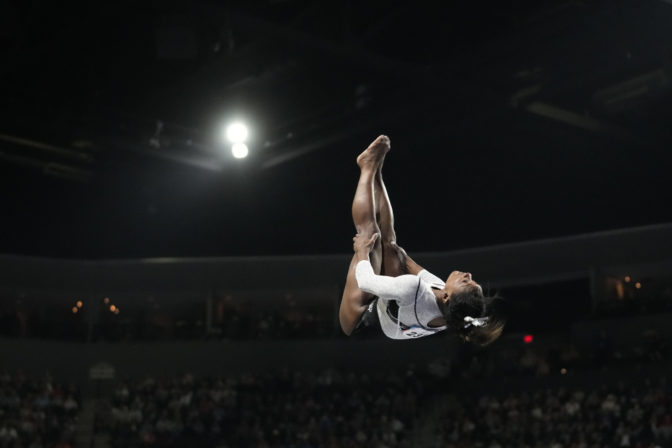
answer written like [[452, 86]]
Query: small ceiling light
[[239, 150], [79, 304]]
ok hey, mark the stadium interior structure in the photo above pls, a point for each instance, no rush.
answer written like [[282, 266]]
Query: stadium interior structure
[[156, 290]]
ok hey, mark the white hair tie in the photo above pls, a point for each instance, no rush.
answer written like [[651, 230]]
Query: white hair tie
[[475, 321]]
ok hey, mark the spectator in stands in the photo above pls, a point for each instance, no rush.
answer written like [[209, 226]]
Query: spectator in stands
[[36, 413]]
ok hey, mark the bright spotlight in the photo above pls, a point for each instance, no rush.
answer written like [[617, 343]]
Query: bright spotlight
[[236, 132], [239, 150]]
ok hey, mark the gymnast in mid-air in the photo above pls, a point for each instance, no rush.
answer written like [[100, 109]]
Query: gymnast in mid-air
[[387, 291]]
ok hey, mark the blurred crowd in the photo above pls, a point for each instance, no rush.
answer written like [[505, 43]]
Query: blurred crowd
[[511, 396], [337, 409], [37, 413], [636, 415], [330, 409]]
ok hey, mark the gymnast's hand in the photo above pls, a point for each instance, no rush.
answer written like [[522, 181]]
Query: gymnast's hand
[[364, 245], [412, 267], [398, 249]]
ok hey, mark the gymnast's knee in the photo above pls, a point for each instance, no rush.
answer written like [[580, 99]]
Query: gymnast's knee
[[389, 243], [368, 229]]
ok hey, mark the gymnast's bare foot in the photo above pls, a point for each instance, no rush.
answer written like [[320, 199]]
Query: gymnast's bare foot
[[372, 156]]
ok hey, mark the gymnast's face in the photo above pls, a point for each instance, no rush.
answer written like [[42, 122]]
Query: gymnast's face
[[458, 282]]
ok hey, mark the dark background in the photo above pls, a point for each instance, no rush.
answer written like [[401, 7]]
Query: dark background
[[501, 126]]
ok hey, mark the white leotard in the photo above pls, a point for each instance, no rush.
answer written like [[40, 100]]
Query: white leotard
[[414, 296]]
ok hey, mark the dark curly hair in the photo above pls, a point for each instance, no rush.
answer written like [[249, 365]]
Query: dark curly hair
[[474, 304]]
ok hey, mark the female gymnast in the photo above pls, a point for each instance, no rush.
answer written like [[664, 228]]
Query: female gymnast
[[406, 301]]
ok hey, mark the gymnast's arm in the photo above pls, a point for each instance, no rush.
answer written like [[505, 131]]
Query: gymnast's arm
[[383, 286], [379, 285]]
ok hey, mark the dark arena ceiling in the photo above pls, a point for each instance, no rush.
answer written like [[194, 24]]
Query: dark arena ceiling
[[509, 121]]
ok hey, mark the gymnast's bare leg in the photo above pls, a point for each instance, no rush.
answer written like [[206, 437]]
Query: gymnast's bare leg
[[394, 260], [364, 211]]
